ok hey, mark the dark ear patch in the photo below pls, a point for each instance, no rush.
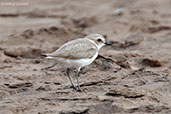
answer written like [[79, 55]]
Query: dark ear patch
[[105, 36]]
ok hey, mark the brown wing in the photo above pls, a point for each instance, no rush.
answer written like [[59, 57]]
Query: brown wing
[[76, 49]]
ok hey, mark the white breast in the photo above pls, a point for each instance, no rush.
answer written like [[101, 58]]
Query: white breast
[[82, 62]]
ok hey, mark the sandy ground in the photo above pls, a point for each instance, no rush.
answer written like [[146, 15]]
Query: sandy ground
[[134, 76]]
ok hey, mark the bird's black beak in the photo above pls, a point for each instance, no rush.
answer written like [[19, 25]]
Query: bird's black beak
[[107, 43]]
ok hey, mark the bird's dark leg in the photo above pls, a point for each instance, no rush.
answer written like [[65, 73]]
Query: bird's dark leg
[[68, 71], [78, 89]]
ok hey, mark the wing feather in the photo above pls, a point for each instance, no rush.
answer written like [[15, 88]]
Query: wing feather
[[75, 49]]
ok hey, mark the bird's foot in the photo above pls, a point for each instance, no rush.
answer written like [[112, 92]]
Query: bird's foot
[[79, 90], [74, 87]]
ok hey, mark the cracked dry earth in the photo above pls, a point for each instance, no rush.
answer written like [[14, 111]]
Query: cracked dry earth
[[132, 76]]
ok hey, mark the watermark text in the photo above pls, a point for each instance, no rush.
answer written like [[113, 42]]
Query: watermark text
[[14, 3]]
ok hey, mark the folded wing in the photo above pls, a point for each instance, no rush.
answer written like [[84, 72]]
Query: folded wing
[[75, 49]]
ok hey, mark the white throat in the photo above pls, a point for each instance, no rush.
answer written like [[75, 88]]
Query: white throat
[[100, 46]]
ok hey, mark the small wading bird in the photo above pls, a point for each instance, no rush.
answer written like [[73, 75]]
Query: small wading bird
[[78, 53]]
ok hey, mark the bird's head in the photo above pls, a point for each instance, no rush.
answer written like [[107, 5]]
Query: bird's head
[[98, 39]]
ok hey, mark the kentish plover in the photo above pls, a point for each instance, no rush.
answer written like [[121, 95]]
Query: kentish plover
[[79, 53]]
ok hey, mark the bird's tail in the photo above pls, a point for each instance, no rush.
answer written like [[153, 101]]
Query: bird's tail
[[43, 55], [46, 56]]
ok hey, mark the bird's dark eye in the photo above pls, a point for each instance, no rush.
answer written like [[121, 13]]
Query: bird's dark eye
[[99, 40]]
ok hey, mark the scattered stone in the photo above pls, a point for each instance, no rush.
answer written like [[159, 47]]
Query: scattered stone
[[103, 64], [43, 88], [124, 64], [127, 93], [28, 33], [121, 60], [151, 63], [157, 29], [37, 61], [79, 111], [105, 108], [23, 52], [154, 22], [132, 40], [151, 108], [53, 28], [118, 12], [9, 15], [15, 52], [141, 83], [85, 22], [57, 83], [43, 30], [2, 94], [161, 79], [20, 85], [4, 67], [7, 60]]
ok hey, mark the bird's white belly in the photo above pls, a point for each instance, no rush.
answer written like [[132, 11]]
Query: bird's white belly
[[79, 62]]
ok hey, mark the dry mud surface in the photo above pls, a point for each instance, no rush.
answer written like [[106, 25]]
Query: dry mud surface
[[132, 76]]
